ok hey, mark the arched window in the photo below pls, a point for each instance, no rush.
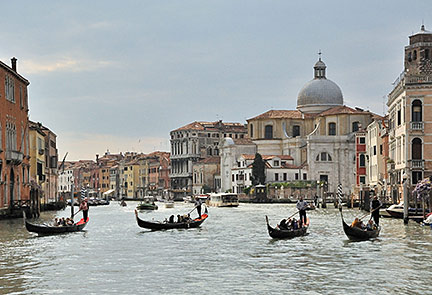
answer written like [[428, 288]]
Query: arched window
[[362, 160], [416, 149], [409, 57], [323, 157], [332, 128], [209, 151], [416, 111], [268, 132], [355, 126], [251, 130], [415, 55], [296, 130]]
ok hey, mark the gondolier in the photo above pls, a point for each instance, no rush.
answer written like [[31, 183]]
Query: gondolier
[[302, 205], [84, 208], [375, 205], [198, 206]]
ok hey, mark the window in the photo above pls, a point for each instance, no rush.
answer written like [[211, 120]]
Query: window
[[362, 160], [399, 117], [268, 132], [362, 140], [381, 149], [426, 54], [415, 55], [363, 179], [374, 150], [296, 130], [332, 128], [284, 176], [251, 130], [275, 163], [296, 176], [323, 157], [304, 176], [416, 177], [416, 149], [416, 111], [276, 176], [355, 126]]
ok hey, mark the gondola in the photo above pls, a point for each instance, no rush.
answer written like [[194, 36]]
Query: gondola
[[277, 233], [168, 225], [358, 234], [43, 229]]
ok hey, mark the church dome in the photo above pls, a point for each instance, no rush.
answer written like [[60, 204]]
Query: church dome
[[320, 93]]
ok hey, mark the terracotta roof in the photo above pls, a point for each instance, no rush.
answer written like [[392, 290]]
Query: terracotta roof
[[279, 114], [213, 126], [343, 110], [243, 141]]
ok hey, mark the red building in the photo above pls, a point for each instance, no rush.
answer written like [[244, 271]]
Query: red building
[[14, 142]]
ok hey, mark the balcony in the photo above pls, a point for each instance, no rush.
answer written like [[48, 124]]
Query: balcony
[[417, 164], [417, 126], [14, 157]]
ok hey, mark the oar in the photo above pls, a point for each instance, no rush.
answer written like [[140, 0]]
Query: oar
[[293, 215], [370, 212], [75, 213]]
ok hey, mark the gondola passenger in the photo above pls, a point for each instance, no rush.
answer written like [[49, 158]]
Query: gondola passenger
[[171, 219], [282, 224]]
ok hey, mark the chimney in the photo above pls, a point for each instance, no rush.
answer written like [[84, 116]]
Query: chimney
[[13, 62], [97, 158]]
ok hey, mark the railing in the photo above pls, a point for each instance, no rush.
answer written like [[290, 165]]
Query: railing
[[417, 164], [418, 79], [417, 126], [14, 156]]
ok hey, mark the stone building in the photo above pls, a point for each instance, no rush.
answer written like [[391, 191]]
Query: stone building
[[319, 135], [410, 127], [206, 175], [192, 143], [14, 144]]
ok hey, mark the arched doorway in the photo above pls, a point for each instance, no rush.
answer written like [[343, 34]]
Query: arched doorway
[[12, 185]]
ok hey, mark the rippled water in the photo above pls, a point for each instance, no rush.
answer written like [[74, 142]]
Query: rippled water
[[230, 254]]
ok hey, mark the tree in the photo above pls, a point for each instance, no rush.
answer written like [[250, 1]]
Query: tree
[[258, 170]]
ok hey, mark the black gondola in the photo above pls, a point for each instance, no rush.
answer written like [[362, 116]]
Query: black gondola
[[43, 229], [276, 233], [170, 225], [358, 234]]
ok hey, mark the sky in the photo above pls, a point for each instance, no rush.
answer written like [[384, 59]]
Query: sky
[[118, 76]]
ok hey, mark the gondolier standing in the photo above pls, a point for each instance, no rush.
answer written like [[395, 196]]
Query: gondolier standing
[[302, 206], [84, 208], [375, 205], [198, 206]]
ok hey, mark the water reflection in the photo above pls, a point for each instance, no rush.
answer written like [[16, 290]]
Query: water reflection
[[230, 253]]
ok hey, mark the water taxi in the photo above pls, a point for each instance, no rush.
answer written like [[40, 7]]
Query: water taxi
[[223, 200]]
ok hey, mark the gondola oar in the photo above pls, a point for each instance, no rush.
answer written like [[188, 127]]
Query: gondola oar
[[75, 213], [370, 212], [293, 215]]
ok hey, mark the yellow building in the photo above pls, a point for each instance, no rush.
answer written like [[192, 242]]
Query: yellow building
[[37, 155]]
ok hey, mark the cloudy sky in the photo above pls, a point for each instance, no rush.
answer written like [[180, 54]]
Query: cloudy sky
[[120, 75]]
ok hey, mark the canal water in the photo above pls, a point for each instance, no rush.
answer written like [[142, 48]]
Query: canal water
[[231, 253]]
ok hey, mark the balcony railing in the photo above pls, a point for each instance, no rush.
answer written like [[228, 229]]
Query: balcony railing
[[15, 157], [417, 164], [417, 126]]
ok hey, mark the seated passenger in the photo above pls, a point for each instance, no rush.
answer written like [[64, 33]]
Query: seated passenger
[[370, 225], [282, 224], [357, 223], [171, 219], [294, 224], [56, 222], [179, 219], [69, 221]]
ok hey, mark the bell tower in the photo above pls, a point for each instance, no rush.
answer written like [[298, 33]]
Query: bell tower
[[418, 54]]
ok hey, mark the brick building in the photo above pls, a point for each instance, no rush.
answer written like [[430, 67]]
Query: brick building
[[14, 144]]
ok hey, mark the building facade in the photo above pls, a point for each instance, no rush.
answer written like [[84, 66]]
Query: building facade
[[319, 135], [410, 127], [194, 142], [14, 144]]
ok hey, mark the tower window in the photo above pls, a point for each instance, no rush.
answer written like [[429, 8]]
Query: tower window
[[332, 128], [409, 57], [296, 130], [426, 54], [268, 132], [415, 55]]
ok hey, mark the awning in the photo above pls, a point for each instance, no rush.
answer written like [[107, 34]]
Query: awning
[[109, 192]]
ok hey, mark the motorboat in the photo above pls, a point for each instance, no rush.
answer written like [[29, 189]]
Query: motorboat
[[223, 200]]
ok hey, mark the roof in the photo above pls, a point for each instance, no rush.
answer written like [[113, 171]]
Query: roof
[[343, 110], [279, 114], [243, 141], [10, 70], [213, 126]]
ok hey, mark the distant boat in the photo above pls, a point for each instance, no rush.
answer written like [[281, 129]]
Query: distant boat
[[223, 200], [169, 204]]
